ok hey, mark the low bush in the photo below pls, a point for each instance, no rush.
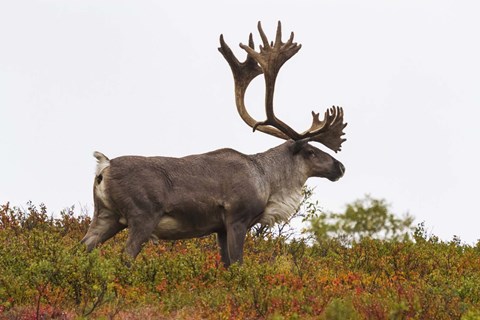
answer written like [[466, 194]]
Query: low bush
[[46, 274]]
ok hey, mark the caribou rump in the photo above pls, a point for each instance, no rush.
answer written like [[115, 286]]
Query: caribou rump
[[223, 191]]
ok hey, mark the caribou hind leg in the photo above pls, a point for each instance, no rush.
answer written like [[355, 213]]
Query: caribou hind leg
[[105, 225], [140, 229]]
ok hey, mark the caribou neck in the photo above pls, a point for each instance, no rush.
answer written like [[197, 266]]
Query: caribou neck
[[281, 168]]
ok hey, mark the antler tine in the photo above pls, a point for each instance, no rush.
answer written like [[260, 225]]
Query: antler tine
[[262, 35], [290, 40], [316, 123], [329, 132], [278, 37]]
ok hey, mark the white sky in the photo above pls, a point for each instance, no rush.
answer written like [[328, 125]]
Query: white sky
[[145, 77]]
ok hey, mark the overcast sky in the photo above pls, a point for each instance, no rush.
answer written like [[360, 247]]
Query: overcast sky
[[145, 77]]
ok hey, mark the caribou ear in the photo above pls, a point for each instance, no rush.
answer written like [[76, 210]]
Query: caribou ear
[[299, 145]]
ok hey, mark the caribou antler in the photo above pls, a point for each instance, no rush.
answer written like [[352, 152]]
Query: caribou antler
[[268, 61], [243, 74]]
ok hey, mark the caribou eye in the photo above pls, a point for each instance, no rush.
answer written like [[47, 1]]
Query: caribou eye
[[311, 153]]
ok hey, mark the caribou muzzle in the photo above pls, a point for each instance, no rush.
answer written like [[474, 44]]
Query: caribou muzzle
[[338, 172]]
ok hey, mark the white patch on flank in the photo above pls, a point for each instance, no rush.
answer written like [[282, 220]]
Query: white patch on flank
[[100, 188], [101, 193], [167, 224], [102, 162], [123, 221], [281, 206]]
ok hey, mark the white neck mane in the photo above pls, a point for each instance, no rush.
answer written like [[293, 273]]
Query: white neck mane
[[281, 206]]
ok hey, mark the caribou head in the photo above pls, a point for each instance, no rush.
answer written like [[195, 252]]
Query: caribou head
[[268, 61]]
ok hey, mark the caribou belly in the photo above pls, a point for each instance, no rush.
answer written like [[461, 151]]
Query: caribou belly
[[173, 228]]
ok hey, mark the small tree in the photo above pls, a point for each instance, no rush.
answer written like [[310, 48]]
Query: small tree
[[367, 217]]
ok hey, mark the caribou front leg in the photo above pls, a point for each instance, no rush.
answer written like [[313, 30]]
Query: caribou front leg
[[222, 243], [236, 234]]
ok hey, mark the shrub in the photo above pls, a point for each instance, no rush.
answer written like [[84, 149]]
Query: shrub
[[364, 218], [47, 274]]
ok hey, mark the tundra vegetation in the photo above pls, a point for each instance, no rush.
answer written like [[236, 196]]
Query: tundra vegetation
[[363, 263]]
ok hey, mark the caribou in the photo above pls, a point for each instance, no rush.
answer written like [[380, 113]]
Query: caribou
[[224, 191]]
